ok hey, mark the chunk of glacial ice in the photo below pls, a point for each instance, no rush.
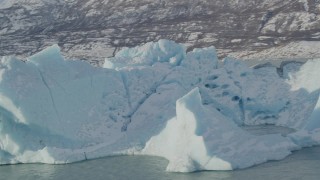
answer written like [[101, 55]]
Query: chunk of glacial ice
[[57, 111], [199, 139]]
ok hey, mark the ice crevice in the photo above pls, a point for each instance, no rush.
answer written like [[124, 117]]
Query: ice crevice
[[148, 94], [125, 85], [50, 93]]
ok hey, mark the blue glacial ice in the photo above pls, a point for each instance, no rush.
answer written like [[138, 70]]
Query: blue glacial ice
[[202, 139], [155, 99]]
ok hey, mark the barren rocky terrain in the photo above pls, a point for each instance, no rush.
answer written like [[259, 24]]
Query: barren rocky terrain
[[95, 29]]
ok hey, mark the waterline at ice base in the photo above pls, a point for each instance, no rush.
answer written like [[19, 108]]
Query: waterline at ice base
[[159, 100]]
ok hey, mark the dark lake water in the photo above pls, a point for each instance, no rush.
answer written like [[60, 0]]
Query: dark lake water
[[303, 164]]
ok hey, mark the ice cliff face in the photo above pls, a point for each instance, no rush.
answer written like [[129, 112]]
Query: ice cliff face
[[96, 29], [154, 99]]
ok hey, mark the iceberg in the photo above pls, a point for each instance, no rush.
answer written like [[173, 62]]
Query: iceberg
[[154, 99], [306, 78], [202, 139], [50, 105]]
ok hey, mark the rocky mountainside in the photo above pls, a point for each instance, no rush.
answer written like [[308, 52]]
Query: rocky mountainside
[[95, 29]]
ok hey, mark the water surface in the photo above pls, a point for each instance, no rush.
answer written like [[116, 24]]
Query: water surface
[[303, 164]]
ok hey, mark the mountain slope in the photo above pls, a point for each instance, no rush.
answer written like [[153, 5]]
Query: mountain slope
[[95, 29]]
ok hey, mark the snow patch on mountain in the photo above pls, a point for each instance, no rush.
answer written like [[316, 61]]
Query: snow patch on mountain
[[305, 4], [4, 4], [294, 50]]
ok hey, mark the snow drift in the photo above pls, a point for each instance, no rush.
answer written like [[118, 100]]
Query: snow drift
[[155, 99]]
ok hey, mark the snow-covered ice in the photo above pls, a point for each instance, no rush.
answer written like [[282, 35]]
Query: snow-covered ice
[[155, 99]]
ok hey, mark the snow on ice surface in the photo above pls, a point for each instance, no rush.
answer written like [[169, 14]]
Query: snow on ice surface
[[148, 54], [58, 111]]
